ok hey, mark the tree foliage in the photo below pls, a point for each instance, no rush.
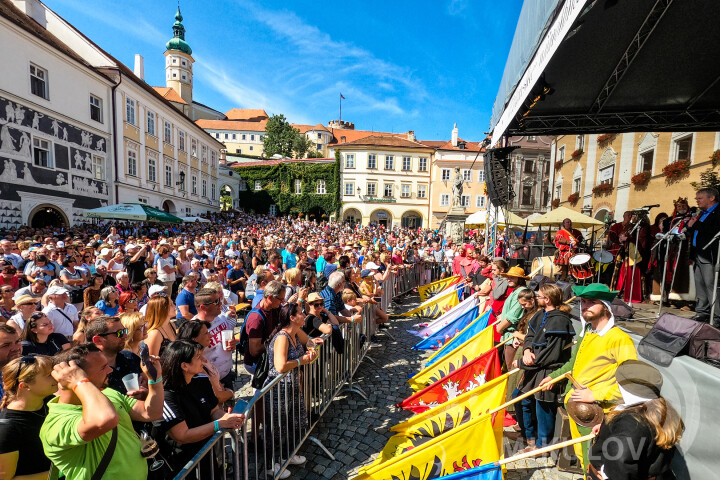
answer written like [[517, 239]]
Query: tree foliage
[[278, 187], [708, 178], [284, 139]]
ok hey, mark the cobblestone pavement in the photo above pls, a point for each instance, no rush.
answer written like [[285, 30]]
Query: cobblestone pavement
[[355, 430]]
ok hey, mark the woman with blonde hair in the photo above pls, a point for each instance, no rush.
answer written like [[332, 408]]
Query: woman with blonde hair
[[27, 381], [292, 277], [637, 439], [160, 330], [137, 330]]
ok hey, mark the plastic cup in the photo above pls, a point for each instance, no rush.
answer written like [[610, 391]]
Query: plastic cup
[[131, 382], [227, 336]]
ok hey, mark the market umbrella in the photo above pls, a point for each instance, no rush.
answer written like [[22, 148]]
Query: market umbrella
[[195, 219], [556, 217], [132, 211], [479, 219]]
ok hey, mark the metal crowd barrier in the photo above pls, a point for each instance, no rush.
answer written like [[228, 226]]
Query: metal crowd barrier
[[281, 416]]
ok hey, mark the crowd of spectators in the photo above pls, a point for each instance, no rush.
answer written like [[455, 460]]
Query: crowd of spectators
[[81, 307]]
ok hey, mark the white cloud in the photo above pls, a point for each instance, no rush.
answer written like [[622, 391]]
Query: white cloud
[[456, 7]]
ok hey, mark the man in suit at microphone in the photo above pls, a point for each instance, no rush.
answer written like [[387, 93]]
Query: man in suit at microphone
[[701, 230]]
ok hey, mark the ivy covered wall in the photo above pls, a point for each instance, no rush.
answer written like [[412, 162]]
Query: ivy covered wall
[[278, 187]]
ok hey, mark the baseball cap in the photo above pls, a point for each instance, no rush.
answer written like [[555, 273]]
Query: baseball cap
[[57, 290], [372, 266], [155, 289]]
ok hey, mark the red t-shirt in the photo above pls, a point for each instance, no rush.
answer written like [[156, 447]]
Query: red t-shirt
[[254, 328]]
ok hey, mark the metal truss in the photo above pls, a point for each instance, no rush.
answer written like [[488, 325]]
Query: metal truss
[[650, 121], [651, 21]]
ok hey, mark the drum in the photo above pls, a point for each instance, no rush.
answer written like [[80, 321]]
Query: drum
[[603, 257], [580, 267], [543, 266]]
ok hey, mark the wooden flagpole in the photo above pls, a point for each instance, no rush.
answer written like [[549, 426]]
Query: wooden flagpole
[[549, 448]]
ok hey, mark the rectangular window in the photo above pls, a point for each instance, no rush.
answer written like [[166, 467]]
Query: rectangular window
[[527, 195], [204, 188], [234, 136], [407, 164], [371, 189], [445, 175], [298, 187], [607, 174], [422, 164], [168, 133], [580, 142], [258, 186], [168, 176], [243, 186], [576, 185], [213, 157], [318, 147], [683, 148], [349, 161], [481, 176], [529, 166], [480, 201], [181, 140], [152, 170], [405, 191], [372, 161], [561, 154], [193, 147], [194, 185], [130, 111], [188, 212], [444, 199], [558, 190], [465, 201], [532, 138], [226, 136], [252, 137], [151, 123], [42, 156], [244, 136], [38, 81], [217, 136], [389, 162], [204, 151], [96, 108], [320, 190], [143, 200], [349, 189], [388, 191], [646, 161], [98, 167], [212, 191], [132, 163], [422, 191], [467, 175]]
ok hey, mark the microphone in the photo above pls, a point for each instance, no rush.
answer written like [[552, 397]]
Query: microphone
[[651, 206], [610, 222]]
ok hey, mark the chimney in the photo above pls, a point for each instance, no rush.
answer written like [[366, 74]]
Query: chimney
[[455, 136], [139, 69], [33, 9], [411, 135]]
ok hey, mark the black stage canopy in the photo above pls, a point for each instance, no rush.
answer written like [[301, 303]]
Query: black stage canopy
[[611, 66]]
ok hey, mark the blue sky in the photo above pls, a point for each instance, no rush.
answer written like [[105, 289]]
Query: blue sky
[[401, 65]]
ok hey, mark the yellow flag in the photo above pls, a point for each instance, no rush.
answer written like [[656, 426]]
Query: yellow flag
[[475, 443], [437, 306], [462, 354], [427, 291]]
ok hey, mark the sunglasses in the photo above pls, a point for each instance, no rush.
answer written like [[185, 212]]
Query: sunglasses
[[215, 302], [24, 360], [316, 304], [119, 334]]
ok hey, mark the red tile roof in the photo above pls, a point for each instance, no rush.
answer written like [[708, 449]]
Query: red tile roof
[[232, 125], [433, 143], [247, 114], [384, 141], [469, 146], [271, 162], [307, 128], [170, 94]]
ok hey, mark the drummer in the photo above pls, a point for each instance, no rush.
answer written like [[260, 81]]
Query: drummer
[[567, 240]]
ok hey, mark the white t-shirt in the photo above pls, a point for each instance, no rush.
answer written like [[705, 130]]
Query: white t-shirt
[[215, 353], [165, 262], [63, 321]]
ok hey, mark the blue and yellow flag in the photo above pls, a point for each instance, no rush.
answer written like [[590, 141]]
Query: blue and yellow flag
[[462, 354], [470, 331], [437, 306], [489, 471], [447, 333], [475, 443]]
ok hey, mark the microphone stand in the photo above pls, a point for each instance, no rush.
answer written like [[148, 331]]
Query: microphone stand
[[635, 229], [666, 238], [715, 280]]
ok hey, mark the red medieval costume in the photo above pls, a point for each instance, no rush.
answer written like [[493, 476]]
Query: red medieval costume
[[566, 243]]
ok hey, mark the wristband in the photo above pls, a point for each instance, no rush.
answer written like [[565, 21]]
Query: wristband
[[301, 300], [217, 425], [153, 382], [84, 380]]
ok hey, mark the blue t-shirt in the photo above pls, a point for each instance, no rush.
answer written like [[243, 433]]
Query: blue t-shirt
[[111, 311], [333, 301], [233, 275], [320, 265], [289, 259], [256, 299], [185, 298]]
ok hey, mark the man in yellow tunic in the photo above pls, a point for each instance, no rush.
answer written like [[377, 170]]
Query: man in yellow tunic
[[595, 358]]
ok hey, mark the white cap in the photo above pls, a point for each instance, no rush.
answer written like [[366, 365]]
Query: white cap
[[57, 290], [372, 266], [130, 246], [155, 289], [105, 251], [60, 244]]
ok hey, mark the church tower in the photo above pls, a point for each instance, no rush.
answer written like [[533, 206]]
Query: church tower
[[178, 62]]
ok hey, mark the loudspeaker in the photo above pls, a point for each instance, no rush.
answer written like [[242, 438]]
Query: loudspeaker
[[672, 336], [496, 175]]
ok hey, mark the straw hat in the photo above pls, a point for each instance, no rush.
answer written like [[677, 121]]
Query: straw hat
[[515, 272]]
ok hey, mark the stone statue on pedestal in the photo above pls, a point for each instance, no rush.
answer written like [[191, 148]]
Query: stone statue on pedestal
[[457, 188]]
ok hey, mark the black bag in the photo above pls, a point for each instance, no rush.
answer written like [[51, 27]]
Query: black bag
[[672, 336], [262, 368], [321, 283], [338, 342]]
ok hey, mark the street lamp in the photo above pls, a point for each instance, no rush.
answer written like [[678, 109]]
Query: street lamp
[[182, 178]]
